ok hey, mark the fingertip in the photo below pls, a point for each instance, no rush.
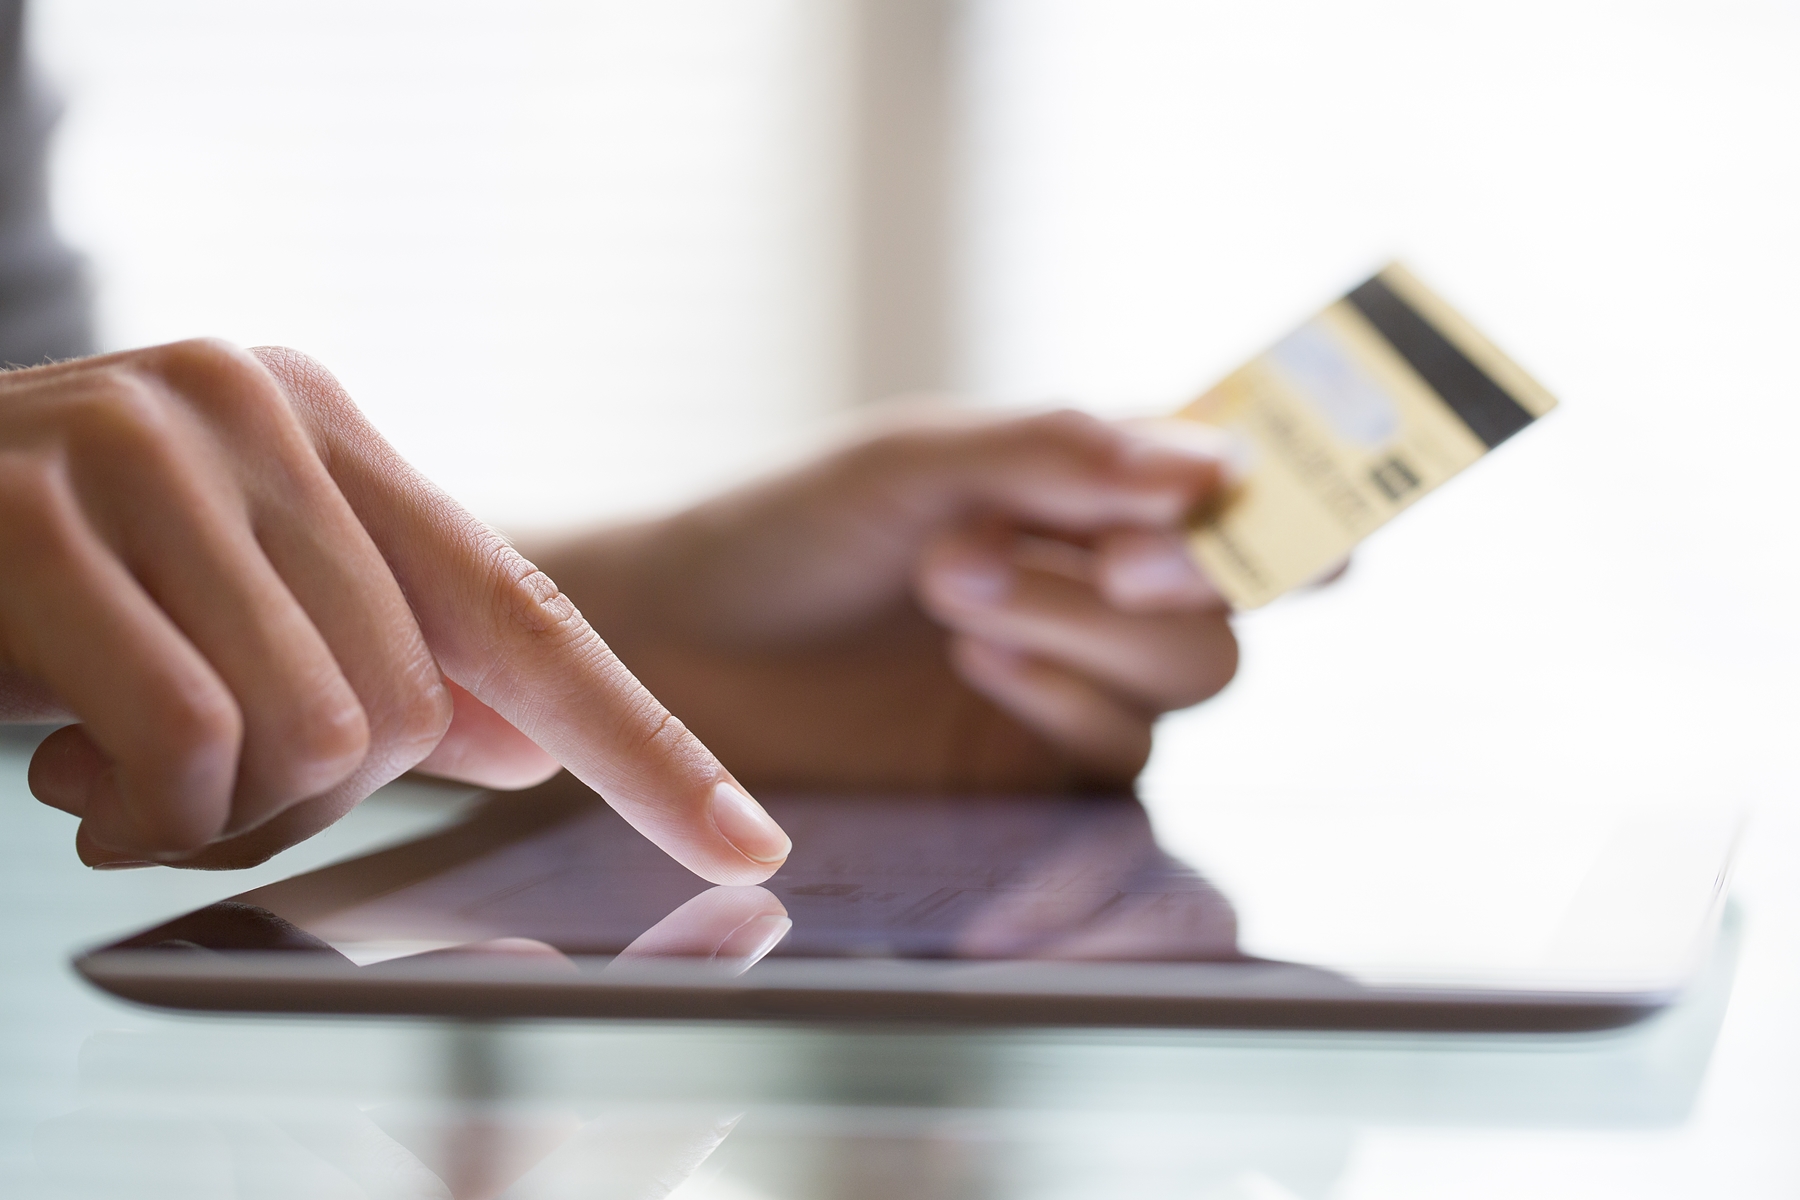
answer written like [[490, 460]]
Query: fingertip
[[63, 769], [102, 858], [1146, 571], [1330, 575], [1224, 451], [71, 773], [962, 569], [151, 827], [740, 873], [750, 830]]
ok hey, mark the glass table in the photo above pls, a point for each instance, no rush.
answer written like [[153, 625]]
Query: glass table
[[101, 1099]]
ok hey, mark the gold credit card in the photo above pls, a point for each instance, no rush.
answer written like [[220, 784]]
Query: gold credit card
[[1349, 419]]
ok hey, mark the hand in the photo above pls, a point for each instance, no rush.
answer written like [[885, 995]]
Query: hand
[[957, 602], [259, 614]]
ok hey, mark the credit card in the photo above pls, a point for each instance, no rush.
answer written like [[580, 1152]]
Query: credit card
[[1349, 419]]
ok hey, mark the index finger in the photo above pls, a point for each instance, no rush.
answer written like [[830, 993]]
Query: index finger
[[1064, 471], [500, 628]]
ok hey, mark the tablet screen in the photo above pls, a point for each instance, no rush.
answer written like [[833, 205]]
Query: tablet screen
[[1363, 892]]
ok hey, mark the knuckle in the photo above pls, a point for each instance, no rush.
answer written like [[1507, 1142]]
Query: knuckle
[[907, 471], [641, 726], [129, 425], [904, 440], [657, 728], [415, 715], [124, 409], [528, 601], [201, 730], [1072, 427], [658, 735], [1069, 437], [198, 722], [884, 454], [425, 716], [224, 378], [329, 738], [263, 395], [33, 495], [201, 357]]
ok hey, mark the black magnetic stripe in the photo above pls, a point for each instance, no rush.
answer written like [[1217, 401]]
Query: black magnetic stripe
[[1486, 408]]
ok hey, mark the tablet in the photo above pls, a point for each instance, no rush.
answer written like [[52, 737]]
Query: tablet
[[993, 910]]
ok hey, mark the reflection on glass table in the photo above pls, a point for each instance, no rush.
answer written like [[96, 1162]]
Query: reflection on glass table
[[1009, 910], [875, 877], [756, 1112], [266, 1109]]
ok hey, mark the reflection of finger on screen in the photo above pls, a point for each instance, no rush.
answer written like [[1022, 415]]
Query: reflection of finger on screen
[[734, 926]]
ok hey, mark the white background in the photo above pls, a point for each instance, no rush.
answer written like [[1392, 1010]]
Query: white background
[[566, 255]]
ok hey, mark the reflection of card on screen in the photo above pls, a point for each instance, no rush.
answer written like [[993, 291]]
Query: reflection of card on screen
[[1352, 417]]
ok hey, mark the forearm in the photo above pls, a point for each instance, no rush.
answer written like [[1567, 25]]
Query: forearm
[[874, 708]]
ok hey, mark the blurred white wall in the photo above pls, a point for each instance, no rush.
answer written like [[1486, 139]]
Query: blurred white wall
[[573, 256]]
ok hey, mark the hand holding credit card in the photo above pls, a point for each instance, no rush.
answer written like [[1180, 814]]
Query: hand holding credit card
[[1351, 418]]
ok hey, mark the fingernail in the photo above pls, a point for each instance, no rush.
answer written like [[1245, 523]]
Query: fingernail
[[1163, 571], [123, 864], [750, 942], [1234, 453], [745, 825], [974, 581], [58, 789]]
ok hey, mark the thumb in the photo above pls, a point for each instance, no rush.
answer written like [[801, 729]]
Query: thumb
[[501, 629], [483, 748]]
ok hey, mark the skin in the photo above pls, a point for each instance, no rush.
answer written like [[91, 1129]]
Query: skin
[[258, 614], [956, 602]]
